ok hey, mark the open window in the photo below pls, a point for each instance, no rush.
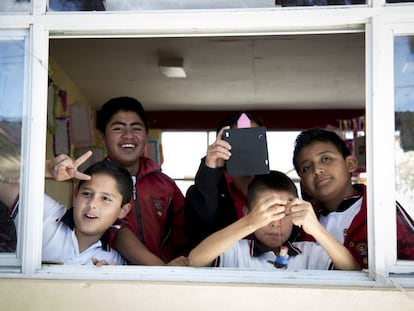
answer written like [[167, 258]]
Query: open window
[[73, 35]]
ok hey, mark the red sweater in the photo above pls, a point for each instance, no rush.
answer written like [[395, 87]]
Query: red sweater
[[159, 204]]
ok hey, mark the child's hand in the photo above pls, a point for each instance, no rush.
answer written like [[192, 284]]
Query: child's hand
[[63, 167], [179, 261], [218, 152], [99, 263], [269, 207], [302, 214]]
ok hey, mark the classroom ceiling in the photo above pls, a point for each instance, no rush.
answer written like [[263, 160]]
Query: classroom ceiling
[[323, 71]]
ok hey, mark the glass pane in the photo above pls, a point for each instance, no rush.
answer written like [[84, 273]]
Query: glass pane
[[182, 152], [130, 5], [15, 5], [11, 103], [404, 121], [398, 1]]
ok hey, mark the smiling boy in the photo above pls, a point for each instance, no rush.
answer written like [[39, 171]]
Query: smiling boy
[[325, 164], [77, 236], [153, 232]]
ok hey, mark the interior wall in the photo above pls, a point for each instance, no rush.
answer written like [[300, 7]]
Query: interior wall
[[61, 191]]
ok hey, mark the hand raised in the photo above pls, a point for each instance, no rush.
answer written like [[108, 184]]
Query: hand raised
[[63, 167], [218, 152]]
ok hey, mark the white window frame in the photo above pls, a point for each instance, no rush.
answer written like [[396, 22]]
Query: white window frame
[[383, 135], [14, 259], [378, 21]]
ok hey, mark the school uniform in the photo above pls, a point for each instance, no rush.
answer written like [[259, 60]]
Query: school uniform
[[348, 224], [60, 243], [248, 254]]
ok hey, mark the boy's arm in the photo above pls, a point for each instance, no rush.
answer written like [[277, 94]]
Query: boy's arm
[[266, 210], [8, 193], [60, 168], [132, 249], [302, 214]]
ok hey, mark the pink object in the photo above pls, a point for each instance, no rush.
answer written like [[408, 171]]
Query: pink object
[[243, 121]]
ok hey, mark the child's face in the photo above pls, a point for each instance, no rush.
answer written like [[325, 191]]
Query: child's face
[[325, 174], [97, 206], [275, 233], [125, 138]]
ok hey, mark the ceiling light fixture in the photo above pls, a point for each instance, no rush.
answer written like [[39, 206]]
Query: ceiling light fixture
[[172, 68]]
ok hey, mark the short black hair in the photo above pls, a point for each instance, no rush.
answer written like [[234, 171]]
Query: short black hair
[[308, 137], [120, 174], [231, 120], [274, 180], [116, 104]]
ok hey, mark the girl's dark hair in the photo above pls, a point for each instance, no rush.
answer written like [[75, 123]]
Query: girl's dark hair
[[275, 180], [311, 136], [231, 120], [121, 175], [116, 104]]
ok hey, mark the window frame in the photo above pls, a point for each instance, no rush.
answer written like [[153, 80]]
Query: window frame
[[378, 21], [384, 133], [14, 259]]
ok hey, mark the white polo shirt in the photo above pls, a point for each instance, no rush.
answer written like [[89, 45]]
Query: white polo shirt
[[61, 245], [312, 256], [337, 223]]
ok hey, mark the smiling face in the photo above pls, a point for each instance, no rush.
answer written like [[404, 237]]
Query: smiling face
[[97, 206], [325, 174], [275, 233], [125, 139]]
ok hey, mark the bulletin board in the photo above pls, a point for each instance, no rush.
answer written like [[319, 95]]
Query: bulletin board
[[81, 125], [61, 138]]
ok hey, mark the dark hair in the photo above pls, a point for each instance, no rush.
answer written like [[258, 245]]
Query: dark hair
[[231, 120], [121, 175], [275, 180], [116, 104], [308, 137]]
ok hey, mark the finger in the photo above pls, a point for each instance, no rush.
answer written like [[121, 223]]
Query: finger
[[220, 133], [100, 263], [219, 153], [60, 158], [82, 176], [82, 158], [79, 161]]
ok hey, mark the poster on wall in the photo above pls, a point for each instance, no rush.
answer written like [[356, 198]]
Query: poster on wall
[[80, 125], [61, 140]]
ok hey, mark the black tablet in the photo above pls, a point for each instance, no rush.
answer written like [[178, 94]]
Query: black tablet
[[249, 155]]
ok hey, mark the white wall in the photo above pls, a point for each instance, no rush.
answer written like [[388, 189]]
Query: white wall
[[18, 294]]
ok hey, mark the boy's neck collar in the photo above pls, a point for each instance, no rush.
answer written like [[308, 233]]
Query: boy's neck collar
[[346, 202], [257, 248]]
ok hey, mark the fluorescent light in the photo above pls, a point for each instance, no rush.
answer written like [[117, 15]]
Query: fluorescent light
[[172, 68]]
